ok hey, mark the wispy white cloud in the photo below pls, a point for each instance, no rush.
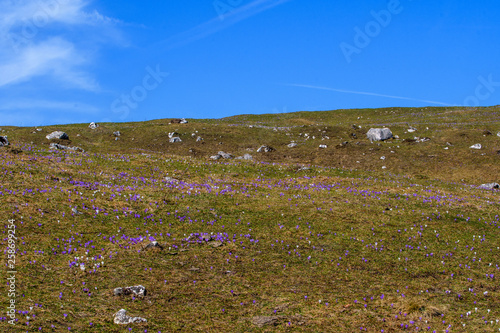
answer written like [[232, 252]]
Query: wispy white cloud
[[33, 41], [369, 94], [216, 24], [48, 105]]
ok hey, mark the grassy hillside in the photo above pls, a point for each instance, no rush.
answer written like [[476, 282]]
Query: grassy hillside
[[298, 239]]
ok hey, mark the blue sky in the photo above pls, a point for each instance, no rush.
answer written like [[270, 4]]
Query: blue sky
[[74, 61]]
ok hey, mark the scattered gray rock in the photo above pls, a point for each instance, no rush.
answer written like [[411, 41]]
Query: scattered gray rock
[[199, 139], [323, 146], [170, 179], [417, 139], [245, 157], [172, 134], [183, 121], [117, 133], [138, 290], [292, 145], [379, 134], [225, 155], [489, 186], [342, 145], [265, 149], [63, 147], [220, 155], [498, 134], [476, 146], [206, 237], [215, 243], [121, 318], [4, 141], [261, 321], [57, 135], [93, 125], [154, 245], [175, 139]]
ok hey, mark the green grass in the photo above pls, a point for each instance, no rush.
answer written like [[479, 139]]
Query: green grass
[[415, 239]]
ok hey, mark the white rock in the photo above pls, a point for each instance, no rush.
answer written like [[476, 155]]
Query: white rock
[[292, 145], [379, 134], [476, 146], [57, 135], [93, 125], [489, 186], [175, 139], [121, 318], [323, 146]]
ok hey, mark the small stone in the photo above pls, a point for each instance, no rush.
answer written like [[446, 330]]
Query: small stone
[[175, 139], [215, 243], [121, 318], [3, 141], [117, 133], [138, 290], [292, 145], [261, 321], [63, 147], [323, 146], [154, 245], [265, 149], [93, 125], [476, 146], [225, 155]]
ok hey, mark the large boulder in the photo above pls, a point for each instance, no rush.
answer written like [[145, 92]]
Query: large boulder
[[489, 186], [57, 135], [379, 134], [3, 141]]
